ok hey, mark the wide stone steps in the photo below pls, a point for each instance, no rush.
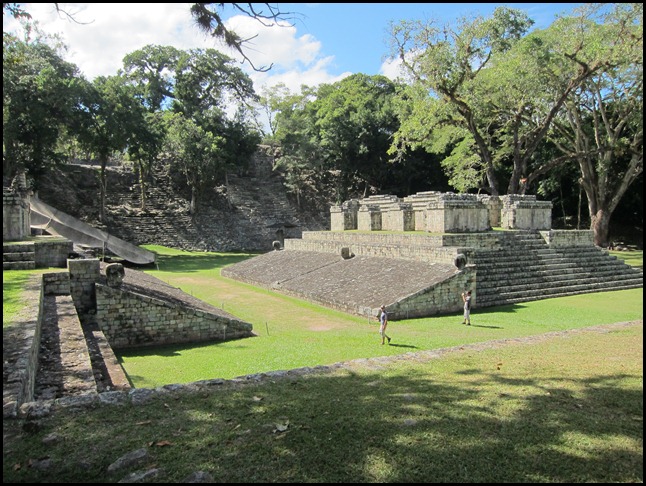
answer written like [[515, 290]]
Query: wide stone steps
[[545, 255], [255, 209], [22, 265], [495, 288], [519, 296], [18, 256], [562, 265], [554, 281], [525, 268], [262, 200]]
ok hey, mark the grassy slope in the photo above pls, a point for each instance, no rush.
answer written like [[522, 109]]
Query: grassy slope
[[561, 407], [292, 333]]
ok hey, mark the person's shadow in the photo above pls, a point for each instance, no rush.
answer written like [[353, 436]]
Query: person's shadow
[[403, 346]]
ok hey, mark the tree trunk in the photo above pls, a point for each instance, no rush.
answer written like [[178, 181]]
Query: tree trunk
[[193, 200], [600, 225], [103, 187]]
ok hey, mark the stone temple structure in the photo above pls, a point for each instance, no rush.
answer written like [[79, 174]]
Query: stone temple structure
[[417, 254]]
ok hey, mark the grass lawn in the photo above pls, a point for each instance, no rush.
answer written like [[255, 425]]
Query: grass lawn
[[560, 407], [292, 333]]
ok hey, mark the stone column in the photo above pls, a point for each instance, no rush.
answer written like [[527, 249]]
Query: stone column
[[369, 218]]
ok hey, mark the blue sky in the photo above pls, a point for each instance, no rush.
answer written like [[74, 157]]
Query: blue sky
[[327, 42], [356, 33]]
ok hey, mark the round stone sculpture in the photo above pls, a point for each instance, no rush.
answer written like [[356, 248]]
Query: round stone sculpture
[[114, 273], [460, 261]]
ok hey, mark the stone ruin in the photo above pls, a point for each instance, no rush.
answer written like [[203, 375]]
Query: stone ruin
[[437, 212], [417, 254]]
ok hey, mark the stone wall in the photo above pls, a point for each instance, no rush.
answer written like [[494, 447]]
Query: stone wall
[[386, 250], [457, 213], [494, 206], [420, 203], [52, 251], [345, 216], [15, 217], [20, 365], [436, 300], [83, 276], [558, 238], [132, 320], [525, 213], [57, 283], [398, 217], [369, 218], [436, 212], [410, 246]]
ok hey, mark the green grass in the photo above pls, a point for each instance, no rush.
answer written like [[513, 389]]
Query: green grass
[[13, 296], [292, 333], [563, 407], [12, 299], [634, 258]]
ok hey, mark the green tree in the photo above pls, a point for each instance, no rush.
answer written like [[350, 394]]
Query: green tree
[[446, 63], [502, 89], [342, 128], [40, 93], [110, 117], [144, 146], [151, 69], [201, 85], [602, 124], [195, 151], [299, 157]]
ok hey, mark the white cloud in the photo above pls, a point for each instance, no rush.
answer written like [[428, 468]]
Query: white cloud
[[102, 34], [392, 68], [296, 60]]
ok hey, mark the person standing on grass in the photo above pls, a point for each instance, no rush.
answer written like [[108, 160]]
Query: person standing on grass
[[383, 319], [466, 298]]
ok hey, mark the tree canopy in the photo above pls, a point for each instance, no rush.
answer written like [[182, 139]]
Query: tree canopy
[[485, 104]]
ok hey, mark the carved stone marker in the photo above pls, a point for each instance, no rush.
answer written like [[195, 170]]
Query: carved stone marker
[[460, 261], [114, 273]]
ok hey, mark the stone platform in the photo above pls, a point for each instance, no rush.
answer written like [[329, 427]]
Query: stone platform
[[420, 274]]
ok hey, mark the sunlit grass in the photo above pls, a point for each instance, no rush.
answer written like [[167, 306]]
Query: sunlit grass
[[559, 409], [292, 333]]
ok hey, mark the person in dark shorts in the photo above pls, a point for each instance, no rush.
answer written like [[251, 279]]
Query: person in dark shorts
[[383, 319]]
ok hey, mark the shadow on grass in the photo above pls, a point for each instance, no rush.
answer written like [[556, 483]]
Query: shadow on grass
[[396, 345], [364, 427], [485, 327], [197, 262], [339, 429]]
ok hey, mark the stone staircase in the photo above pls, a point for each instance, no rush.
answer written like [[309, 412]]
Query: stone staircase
[[248, 217], [18, 256], [249, 213], [263, 207], [165, 220], [526, 268]]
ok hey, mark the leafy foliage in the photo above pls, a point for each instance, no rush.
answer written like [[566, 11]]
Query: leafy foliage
[[40, 98]]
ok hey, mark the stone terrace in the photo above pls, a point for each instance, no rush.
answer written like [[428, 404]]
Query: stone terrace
[[357, 285], [418, 274]]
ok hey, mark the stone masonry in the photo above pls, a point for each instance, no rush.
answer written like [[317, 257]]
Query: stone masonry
[[437, 212], [417, 256]]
